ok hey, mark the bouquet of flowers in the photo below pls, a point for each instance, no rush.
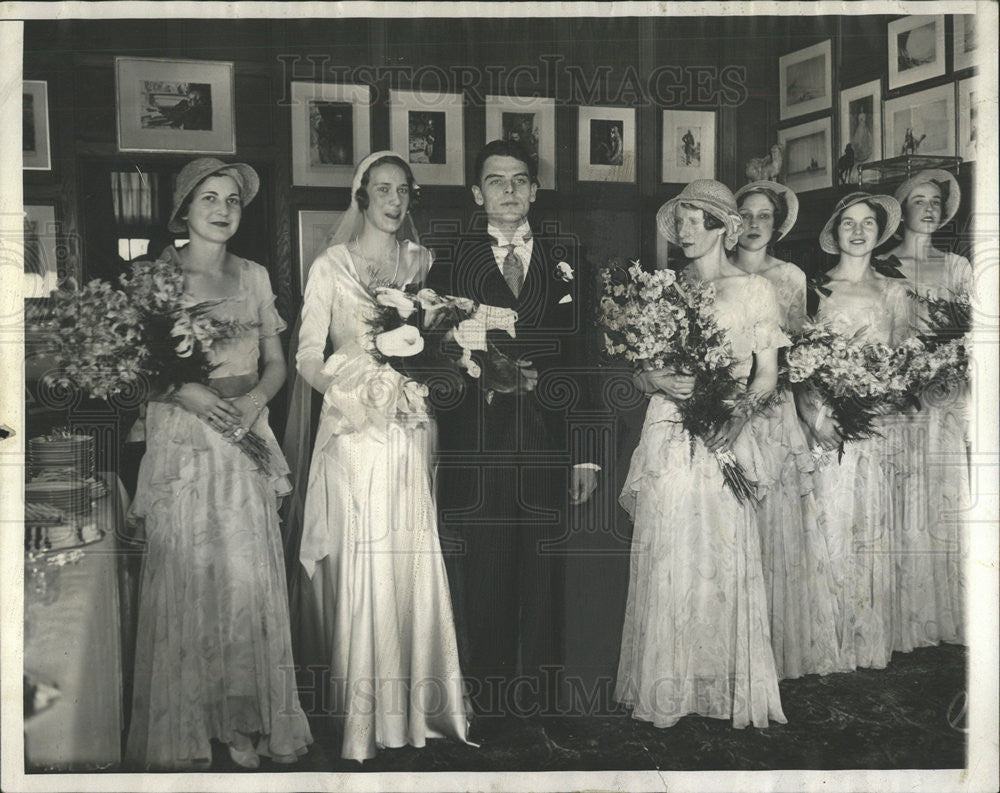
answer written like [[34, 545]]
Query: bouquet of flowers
[[108, 340], [655, 322], [430, 339], [943, 363], [948, 318]]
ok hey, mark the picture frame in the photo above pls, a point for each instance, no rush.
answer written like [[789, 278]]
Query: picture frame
[[35, 150], [41, 246], [805, 81], [916, 49], [967, 111], [965, 38], [171, 105], [921, 123], [331, 132], [532, 122], [861, 121], [427, 129], [688, 151], [314, 229], [606, 150], [808, 155]]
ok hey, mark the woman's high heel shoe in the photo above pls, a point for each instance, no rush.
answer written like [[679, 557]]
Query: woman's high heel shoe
[[244, 756]]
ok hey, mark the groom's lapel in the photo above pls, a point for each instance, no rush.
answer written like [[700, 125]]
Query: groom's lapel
[[486, 284]]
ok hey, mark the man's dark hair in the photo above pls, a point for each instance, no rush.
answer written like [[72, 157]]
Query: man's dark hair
[[504, 148]]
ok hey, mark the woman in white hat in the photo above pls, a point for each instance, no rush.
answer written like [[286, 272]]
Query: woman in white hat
[[801, 605], [213, 649], [931, 586], [369, 543], [854, 493], [696, 638]]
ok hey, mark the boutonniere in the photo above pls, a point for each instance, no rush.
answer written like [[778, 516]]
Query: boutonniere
[[563, 272]]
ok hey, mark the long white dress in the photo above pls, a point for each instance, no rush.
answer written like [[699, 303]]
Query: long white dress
[[801, 600], [696, 637], [370, 540]]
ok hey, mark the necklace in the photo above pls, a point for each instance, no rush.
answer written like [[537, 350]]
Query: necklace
[[374, 276]]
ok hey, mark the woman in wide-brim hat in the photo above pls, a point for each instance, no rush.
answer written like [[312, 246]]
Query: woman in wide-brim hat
[[854, 494], [931, 587], [801, 606], [213, 653], [696, 637]]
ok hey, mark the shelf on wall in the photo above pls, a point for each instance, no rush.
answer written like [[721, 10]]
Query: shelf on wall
[[897, 169]]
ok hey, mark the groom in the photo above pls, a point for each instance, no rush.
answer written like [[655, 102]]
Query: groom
[[513, 465]]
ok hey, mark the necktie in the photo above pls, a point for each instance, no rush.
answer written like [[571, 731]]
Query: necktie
[[513, 270]]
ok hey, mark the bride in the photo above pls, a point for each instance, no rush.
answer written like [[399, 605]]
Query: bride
[[369, 541]]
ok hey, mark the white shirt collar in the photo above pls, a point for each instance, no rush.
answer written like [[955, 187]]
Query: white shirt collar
[[520, 238]]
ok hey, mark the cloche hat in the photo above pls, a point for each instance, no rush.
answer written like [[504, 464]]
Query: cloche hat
[[710, 196], [197, 170], [827, 238], [786, 193], [940, 178]]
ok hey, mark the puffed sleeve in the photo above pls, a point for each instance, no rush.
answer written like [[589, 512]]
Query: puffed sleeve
[[767, 333], [271, 323], [960, 275], [902, 312], [796, 285]]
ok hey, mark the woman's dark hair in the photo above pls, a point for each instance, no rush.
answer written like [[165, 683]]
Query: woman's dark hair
[[881, 216], [361, 196], [778, 203], [710, 221], [505, 148], [185, 207]]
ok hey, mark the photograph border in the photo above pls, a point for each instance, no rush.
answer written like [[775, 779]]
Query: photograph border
[[302, 218], [803, 184], [452, 171], [946, 91], [545, 110], [848, 95], [359, 96], [49, 242], [41, 160], [962, 141], [920, 73], [966, 60], [626, 172], [785, 112], [671, 118]]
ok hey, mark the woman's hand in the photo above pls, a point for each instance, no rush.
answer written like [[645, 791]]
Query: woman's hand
[[205, 403], [726, 435], [676, 386], [248, 413], [826, 434]]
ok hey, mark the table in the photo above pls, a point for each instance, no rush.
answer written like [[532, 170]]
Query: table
[[74, 642]]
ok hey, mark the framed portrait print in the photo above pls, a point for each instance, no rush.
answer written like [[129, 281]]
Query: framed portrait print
[[688, 145], [315, 226], [967, 119], [41, 233], [35, 155], [331, 132], [175, 105], [861, 121], [808, 155], [966, 41], [921, 123], [805, 80], [427, 129], [606, 144], [532, 123], [916, 49]]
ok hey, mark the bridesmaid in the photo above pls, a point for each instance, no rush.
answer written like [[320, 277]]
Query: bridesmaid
[[800, 599], [853, 494], [931, 581]]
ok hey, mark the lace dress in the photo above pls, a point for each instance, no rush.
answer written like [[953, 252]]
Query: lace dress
[[370, 542], [860, 497], [801, 600], [213, 653], [696, 637]]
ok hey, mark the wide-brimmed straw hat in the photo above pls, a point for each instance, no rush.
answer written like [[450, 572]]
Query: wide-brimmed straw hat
[[195, 171], [827, 237], [787, 195], [940, 178], [710, 196]]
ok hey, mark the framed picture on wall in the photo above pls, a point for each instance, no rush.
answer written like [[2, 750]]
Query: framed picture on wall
[[916, 49], [331, 132], [35, 155], [427, 129], [41, 234], [967, 119], [966, 41], [805, 80], [532, 123], [315, 226], [175, 105], [921, 123], [808, 157], [606, 144], [688, 145], [861, 121]]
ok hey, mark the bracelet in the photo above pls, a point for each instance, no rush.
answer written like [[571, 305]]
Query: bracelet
[[256, 402]]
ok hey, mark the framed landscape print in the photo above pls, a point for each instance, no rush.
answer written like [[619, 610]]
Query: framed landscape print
[[532, 123], [861, 121], [606, 144], [41, 232], [175, 105], [808, 155], [427, 129], [315, 226], [688, 145], [331, 132], [965, 40], [805, 81], [921, 123], [35, 155], [967, 136], [916, 49]]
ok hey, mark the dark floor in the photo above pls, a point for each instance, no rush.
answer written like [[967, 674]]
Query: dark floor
[[909, 715]]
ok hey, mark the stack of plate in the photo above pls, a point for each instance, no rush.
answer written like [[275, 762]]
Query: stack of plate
[[75, 453], [72, 497]]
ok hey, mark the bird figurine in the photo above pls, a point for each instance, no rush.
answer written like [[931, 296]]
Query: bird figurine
[[762, 169], [845, 165]]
